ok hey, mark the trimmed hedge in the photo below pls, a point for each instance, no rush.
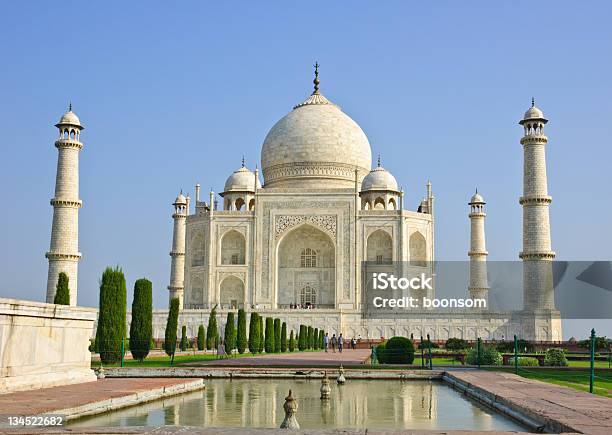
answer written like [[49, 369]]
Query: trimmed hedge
[[212, 332], [262, 343], [141, 326], [302, 342], [456, 344], [254, 333], [269, 344], [277, 335], [555, 357], [525, 361], [396, 350], [184, 341], [489, 356]]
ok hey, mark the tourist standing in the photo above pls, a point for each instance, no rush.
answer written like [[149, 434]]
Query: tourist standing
[[326, 342], [353, 343], [340, 343], [334, 341]]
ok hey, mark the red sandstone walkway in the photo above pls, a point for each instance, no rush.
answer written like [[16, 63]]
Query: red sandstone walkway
[[563, 408], [45, 400], [302, 359]]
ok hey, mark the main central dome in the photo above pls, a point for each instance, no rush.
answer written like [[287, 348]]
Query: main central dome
[[315, 145]]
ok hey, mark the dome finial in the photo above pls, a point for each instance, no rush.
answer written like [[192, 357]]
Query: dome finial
[[243, 161], [70, 106], [316, 79], [379, 160], [532, 102]]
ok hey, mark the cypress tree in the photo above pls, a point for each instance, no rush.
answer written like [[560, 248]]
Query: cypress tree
[[184, 341], [141, 326], [316, 338], [283, 340], [309, 336], [253, 333], [171, 327], [302, 338], [291, 342], [321, 339], [212, 332], [260, 334], [230, 333], [269, 344], [277, 335], [62, 292], [241, 334], [111, 319], [201, 338]]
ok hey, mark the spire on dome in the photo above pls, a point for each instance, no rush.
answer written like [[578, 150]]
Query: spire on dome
[[70, 106], [243, 161], [532, 102], [316, 79], [378, 161]]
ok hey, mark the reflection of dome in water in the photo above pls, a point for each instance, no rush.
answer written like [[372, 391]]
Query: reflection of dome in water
[[315, 145]]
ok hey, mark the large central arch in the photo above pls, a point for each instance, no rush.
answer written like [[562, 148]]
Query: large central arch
[[306, 265]]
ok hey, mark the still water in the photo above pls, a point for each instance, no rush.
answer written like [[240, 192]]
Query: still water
[[357, 404]]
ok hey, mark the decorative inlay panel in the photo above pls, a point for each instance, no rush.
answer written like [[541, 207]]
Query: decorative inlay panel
[[284, 222]]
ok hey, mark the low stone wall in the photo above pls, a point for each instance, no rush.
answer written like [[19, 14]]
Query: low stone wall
[[43, 345]]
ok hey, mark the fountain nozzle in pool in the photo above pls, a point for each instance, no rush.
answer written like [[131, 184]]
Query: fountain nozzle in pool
[[290, 406]]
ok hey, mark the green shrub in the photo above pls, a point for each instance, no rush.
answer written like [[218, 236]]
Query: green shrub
[[262, 342], [555, 357], [269, 338], [230, 333], [141, 326], [380, 352], [93, 346], [201, 337], [277, 335], [508, 346], [112, 314], [310, 338], [489, 356], [241, 334], [62, 292], [283, 340], [525, 361], [601, 343], [321, 339], [315, 338], [425, 345], [254, 333], [291, 342], [456, 344], [397, 350], [184, 341], [212, 331], [171, 327], [302, 342]]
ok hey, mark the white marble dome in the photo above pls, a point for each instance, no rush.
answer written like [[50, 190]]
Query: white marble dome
[[69, 118], [379, 179], [180, 199], [242, 180], [477, 199], [315, 145], [533, 113]]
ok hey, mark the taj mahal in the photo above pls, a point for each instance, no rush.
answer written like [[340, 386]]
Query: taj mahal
[[290, 242]]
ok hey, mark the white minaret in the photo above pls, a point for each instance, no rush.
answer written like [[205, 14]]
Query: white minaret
[[479, 286], [177, 266], [537, 254], [64, 255]]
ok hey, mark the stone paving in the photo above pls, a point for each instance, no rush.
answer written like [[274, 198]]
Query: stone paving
[[562, 409], [303, 359], [36, 402]]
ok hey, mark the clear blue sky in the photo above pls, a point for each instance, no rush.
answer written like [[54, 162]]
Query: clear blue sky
[[175, 93]]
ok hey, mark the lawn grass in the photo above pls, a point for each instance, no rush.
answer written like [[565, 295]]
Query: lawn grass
[[164, 361], [578, 380]]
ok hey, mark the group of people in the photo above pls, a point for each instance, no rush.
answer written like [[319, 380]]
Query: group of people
[[302, 307], [337, 342]]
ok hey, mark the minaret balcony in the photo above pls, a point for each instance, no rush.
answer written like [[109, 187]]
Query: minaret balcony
[[68, 143], [535, 200]]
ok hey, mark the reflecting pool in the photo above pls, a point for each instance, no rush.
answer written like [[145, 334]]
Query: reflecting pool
[[356, 404]]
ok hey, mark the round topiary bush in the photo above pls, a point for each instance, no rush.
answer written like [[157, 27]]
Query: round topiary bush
[[397, 350], [526, 361], [488, 357], [555, 357]]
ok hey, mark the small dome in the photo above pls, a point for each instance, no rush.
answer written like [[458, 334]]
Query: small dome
[[533, 113], [241, 180], [379, 179], [477, 199], [180, 199], [69, 118]]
